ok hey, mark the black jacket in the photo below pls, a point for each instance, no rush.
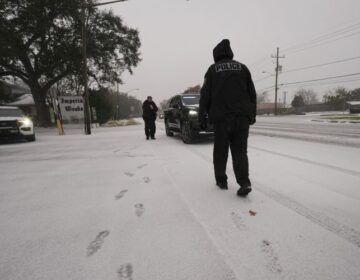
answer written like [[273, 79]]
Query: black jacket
[[149, 110], [228, 89]]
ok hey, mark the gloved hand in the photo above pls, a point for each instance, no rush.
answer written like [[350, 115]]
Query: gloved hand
[[203, 122], [252, 120]]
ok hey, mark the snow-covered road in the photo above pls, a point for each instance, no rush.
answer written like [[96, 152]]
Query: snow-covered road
[[115, 206]]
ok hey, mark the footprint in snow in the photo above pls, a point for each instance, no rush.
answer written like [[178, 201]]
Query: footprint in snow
[[125, 272], [142, 166], [146, 180], [139, 209], [272, 259], [95, 245], [129, 174], [120, 194], [238, 221]]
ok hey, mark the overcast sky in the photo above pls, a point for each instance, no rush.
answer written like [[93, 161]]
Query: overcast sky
[[178, 37]]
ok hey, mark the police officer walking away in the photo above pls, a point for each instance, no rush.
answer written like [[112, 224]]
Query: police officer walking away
[[228, 98], [149, 115]]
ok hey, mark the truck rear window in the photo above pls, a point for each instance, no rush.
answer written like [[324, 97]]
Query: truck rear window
[[191, 99]]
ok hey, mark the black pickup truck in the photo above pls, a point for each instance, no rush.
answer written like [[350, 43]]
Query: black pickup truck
[[181, 116]]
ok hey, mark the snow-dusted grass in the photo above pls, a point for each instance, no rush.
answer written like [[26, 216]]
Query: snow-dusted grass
[[343, 117], [115, 123]]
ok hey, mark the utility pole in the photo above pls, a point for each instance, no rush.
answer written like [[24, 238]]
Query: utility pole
[[276, 76], [87, 115], [86, 92], [118, 105]]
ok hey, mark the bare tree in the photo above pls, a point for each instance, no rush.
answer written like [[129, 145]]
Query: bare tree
[[308, 95], [262, 97]]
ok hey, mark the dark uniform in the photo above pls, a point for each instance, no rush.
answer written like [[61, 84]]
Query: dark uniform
[[228, 98], [149, 115]]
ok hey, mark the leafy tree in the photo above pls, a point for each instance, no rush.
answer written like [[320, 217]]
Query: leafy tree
[[112, 105], [298, 101], [337, 97], [41, 44], [129, 106], [101, 100], [355, 95]]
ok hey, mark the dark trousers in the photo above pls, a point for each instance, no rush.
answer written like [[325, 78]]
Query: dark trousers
[[232, 133], [150, 128]]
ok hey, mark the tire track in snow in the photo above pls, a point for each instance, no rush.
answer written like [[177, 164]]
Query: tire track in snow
[[349, 142], [343, 231], [347, 171], [347, 233], [307, 130]]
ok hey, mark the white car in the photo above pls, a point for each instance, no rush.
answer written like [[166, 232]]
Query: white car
[[14, 125]]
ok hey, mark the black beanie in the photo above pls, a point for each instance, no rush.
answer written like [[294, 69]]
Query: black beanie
[[223, 51]]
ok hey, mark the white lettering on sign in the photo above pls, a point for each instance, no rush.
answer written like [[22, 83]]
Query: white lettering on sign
[[228, 66]]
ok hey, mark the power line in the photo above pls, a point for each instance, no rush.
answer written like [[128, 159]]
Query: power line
[[267, 88], [314, 80], [263, 78], [326, 36], [324, 84], [319, 65], [317, 41], [321, 79], [259, 61], [260, 65], [323, 43]]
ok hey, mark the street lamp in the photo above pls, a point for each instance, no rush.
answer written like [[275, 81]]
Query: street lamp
[[85, 76]]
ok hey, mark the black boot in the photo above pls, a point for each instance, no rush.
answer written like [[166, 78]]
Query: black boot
[[244, 191], [222, 185]]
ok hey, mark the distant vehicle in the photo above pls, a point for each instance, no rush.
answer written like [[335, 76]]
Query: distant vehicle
[[14, 125], [181, 116], [161, 115]]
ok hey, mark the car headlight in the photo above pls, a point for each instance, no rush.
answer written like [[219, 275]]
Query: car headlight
[[25, 122], [193, 113]]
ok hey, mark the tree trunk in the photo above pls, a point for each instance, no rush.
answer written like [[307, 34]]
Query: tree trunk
[[42, 109]]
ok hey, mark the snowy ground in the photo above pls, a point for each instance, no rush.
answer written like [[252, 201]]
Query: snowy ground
[[115, 206]]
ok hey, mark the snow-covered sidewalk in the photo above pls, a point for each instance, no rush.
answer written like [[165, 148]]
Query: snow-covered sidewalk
[[115, 206]]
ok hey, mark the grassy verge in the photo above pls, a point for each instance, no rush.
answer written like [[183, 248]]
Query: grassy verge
[[349, 118]]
